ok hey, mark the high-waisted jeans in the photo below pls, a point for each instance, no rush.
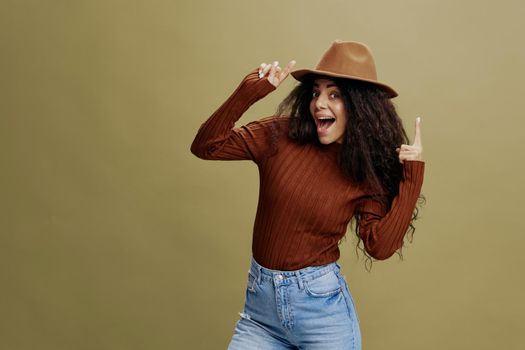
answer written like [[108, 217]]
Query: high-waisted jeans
[[310, 309]]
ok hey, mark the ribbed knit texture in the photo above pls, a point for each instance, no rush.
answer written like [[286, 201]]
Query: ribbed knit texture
[[305, 201]]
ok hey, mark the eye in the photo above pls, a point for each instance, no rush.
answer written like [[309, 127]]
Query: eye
[[334, 95], [315, 94]]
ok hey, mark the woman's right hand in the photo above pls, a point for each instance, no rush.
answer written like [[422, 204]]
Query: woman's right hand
[[274, 73]]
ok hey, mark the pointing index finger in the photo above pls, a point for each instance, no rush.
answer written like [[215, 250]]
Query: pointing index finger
[[417, 137]]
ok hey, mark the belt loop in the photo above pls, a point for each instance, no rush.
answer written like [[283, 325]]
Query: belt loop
[[337, 269], [299, 280], [259, 273]]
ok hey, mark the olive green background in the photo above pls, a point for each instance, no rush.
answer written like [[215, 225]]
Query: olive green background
[[114, 236]]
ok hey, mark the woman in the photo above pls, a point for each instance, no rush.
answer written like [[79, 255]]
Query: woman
[[341, 153]]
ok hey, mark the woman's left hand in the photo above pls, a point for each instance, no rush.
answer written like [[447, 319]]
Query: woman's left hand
[[414, 151]]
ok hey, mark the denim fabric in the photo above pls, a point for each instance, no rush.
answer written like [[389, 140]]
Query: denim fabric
[[309, 309]]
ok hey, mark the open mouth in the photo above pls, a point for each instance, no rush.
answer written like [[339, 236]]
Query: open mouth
[[324, 123]]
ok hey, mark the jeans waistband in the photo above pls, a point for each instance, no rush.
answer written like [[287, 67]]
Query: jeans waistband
[[295, 276]]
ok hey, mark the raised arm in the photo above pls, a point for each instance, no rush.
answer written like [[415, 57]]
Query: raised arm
[[217, 138], [383, 232]]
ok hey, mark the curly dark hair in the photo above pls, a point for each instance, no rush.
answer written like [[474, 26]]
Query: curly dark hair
[[374, 130]]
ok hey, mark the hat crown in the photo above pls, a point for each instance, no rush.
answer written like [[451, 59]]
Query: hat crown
[[349, 58]]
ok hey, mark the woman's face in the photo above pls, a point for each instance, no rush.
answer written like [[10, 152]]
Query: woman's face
[[328, 110]]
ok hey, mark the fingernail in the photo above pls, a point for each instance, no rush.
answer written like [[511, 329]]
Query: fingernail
[[275, 63], [418, 119]]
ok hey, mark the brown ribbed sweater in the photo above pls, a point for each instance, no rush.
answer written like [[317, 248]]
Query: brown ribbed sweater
[[305, 201]]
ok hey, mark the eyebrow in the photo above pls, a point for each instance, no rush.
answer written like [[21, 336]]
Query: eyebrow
[[328, 86]]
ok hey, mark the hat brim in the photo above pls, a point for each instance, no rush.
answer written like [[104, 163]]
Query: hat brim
[[301, 74]]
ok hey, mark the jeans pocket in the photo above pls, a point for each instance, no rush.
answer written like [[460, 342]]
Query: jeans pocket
[[252, 282], [323, 286]]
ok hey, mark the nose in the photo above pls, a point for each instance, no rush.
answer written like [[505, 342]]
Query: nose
[[321, 101]]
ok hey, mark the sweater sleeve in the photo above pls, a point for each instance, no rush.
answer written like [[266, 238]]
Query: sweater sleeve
[[383, 232], [218, 139]]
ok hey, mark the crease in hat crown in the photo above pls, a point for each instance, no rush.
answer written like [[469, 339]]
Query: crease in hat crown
[[349, 60]]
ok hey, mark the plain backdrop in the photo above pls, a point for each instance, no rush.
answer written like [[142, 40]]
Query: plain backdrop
[[114, 236]]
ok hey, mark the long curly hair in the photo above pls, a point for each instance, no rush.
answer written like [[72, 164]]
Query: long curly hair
[[374, 130]]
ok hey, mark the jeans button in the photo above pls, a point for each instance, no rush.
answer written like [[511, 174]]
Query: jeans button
[[279, 277]]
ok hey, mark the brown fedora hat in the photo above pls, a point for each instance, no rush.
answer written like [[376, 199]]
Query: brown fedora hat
[[347, 59]]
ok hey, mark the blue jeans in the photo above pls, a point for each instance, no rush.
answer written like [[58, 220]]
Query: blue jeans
[[309, 309]]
